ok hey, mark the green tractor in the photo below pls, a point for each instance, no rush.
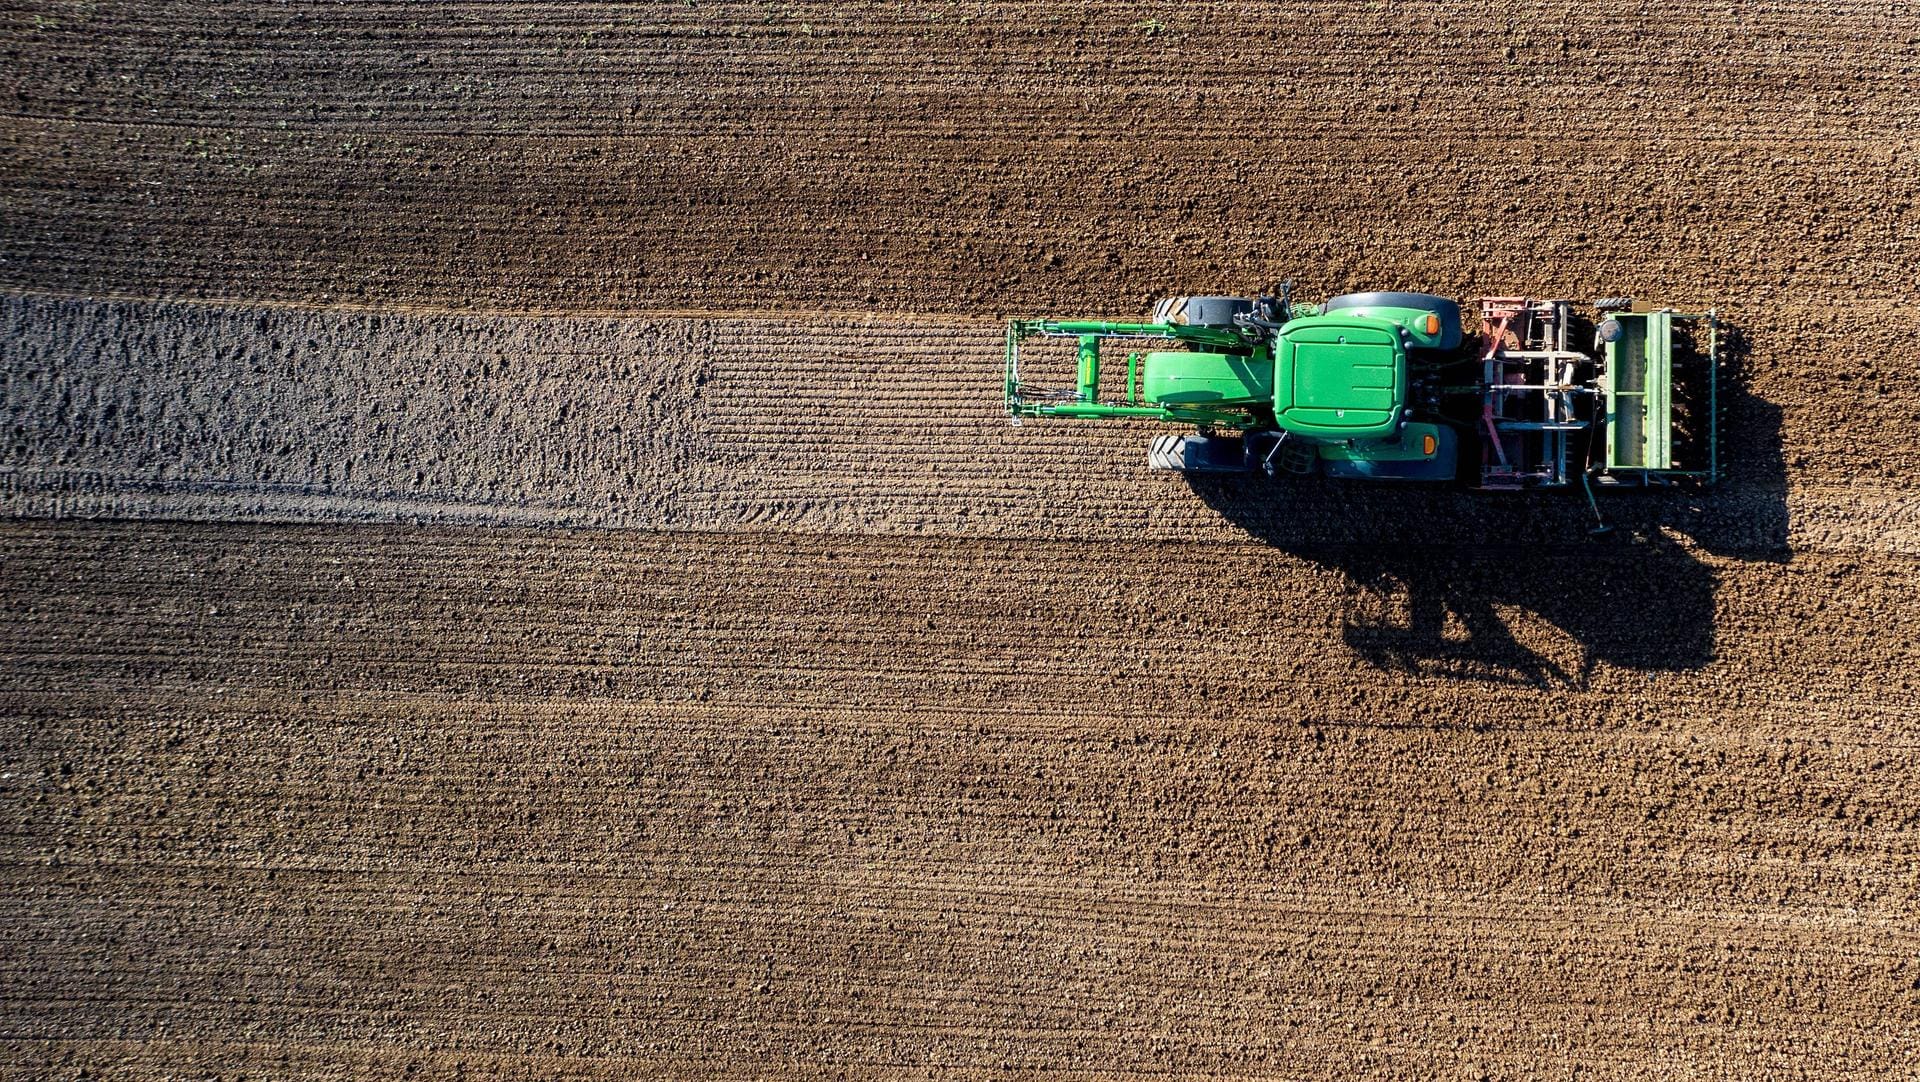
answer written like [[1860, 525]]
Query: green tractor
[[1393, 386]]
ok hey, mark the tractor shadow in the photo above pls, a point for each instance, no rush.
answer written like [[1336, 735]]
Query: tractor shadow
[[1514, 588]]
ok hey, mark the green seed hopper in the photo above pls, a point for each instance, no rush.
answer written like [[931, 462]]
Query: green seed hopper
[[1638, 385]]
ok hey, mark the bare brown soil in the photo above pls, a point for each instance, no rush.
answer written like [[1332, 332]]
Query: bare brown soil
[[572, 607], [955, 157], [309, 800]]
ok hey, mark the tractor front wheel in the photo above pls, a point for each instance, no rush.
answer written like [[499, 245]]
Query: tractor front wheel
[[1201, 311]]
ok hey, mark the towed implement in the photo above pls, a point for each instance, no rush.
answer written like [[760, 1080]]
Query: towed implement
[[1394, 386]]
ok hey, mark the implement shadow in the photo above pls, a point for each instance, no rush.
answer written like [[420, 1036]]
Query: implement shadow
[[1459, 584]]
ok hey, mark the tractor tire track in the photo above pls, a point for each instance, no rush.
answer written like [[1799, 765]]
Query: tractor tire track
[[877, 425]]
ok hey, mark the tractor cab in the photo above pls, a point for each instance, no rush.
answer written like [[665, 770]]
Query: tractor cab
[[1339, 377]]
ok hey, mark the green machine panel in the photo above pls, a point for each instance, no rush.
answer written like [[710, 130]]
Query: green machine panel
[[1639, 386], [1193, 378], [1340, 377]]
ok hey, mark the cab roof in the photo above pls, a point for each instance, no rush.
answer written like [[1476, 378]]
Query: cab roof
[[1339, 376]]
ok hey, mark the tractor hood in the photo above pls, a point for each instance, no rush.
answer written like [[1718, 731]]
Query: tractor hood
[[1182, 378], [1339, 377]]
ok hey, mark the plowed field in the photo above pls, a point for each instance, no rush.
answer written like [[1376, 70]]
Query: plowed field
[[514, 565]]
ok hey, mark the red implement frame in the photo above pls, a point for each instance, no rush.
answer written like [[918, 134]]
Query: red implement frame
[[1531, 384]]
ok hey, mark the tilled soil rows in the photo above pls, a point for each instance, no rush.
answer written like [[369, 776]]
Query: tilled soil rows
[[609, 803], [955, 157], [515, 565]]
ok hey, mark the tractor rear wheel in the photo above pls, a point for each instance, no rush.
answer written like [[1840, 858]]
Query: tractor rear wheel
[[1425, 302], [1446, 308]]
